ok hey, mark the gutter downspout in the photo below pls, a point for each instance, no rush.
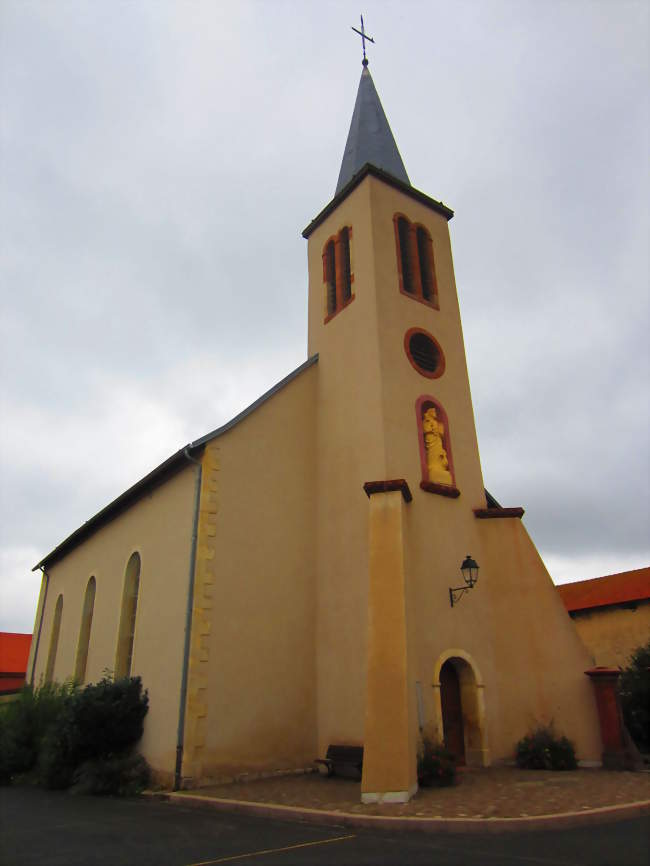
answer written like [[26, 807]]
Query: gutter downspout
[[46, 578], [180, 738]]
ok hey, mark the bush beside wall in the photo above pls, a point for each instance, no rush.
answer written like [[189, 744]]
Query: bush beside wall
[[24, 724], [543, 749], [63, 735]]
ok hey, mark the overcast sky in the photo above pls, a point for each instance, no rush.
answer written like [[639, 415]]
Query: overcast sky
[[159, 161]]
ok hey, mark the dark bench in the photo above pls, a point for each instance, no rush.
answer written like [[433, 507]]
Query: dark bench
[[343, 761]]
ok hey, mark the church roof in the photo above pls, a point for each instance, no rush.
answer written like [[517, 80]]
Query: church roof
[[371, 170], [626, 586], [370, 139], [14, 651], [161, 473]]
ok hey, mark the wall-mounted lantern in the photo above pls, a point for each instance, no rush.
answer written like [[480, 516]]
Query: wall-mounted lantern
[[469, 570]]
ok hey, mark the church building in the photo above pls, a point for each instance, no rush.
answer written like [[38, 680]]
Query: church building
[[292, 579]]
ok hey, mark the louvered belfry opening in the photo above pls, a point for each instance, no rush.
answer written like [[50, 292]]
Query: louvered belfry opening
[[337, 272], [425, 255], [330, 277], [415, 259], [424, 352], [403, 227], [346, 282]]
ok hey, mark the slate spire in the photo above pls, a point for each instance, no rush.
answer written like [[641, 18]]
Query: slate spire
[[370, 138]]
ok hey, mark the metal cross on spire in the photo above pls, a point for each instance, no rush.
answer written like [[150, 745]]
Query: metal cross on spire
[[364, 36]]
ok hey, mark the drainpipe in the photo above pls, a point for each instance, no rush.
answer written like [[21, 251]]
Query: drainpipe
[[46, 578], [188, 622]]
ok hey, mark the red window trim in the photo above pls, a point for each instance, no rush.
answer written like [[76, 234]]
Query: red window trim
[[418, 295], [449, 490], [440, 369], [340, 303]]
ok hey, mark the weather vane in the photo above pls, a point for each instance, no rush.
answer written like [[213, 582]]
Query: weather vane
[[362, 34]]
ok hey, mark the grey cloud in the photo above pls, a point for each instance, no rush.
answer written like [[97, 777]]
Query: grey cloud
[[160, 161]]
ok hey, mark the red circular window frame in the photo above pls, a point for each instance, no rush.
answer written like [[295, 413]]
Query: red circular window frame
[[440, 369]]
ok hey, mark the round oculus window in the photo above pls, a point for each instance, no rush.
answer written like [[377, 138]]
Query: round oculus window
[[424, 353]]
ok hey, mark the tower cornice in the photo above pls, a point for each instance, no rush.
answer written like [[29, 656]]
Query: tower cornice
[[369, 169]]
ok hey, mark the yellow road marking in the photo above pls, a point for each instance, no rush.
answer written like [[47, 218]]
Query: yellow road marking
[[271, 851]]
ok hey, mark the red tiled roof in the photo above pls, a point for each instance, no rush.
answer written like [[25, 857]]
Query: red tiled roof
[[14, 651], [611, 589]]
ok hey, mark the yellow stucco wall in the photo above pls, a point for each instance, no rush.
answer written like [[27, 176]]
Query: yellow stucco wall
[[389, 765], [611, 634], [252, 689], [159, 527], [351, 450]]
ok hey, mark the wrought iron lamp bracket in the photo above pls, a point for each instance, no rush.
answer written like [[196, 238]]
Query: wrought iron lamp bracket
[[469, 569], [456, 593]]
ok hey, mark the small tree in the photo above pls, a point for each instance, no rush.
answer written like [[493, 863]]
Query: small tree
[[634, 690]]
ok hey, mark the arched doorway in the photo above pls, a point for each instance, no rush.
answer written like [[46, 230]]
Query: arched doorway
[[452, 712], [459, 708]]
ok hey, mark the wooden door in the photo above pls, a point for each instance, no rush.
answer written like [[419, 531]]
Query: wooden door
[[452, 712]]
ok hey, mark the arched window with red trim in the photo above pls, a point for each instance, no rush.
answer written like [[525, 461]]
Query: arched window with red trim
[[337, 272], [415, 263]]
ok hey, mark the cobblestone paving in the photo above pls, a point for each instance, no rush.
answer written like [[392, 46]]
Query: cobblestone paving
[[502, 792]]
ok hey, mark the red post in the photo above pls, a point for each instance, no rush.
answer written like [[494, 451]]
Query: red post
[[615, 753]]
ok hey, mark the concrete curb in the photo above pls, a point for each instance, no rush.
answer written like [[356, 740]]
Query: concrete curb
[[562, 820]]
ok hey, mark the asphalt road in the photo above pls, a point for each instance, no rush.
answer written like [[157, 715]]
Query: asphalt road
[[59, 829]]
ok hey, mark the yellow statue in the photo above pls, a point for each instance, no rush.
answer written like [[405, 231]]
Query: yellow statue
[[434, 443]]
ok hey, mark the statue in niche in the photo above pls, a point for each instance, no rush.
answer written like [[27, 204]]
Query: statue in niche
[[434, 443]]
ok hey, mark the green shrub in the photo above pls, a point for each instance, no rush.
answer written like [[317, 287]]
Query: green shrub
[[634, 690], [55, 765], [62, 733], [542, 749], [107, 718], [98, 723], [24, 724], [121, 775], [436, 766]]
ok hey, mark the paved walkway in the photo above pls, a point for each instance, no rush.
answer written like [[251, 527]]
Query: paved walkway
[[503, 792]]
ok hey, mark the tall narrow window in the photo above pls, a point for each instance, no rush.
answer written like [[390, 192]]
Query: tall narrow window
[[346, 269], [415, 263], [337, 272], [403, 227], [329, 262], [126, 635], [84, 632], [425, 257], [54, 640]]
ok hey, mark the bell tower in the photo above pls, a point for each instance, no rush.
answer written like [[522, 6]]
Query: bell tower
[[395, 420], [384, 315]]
